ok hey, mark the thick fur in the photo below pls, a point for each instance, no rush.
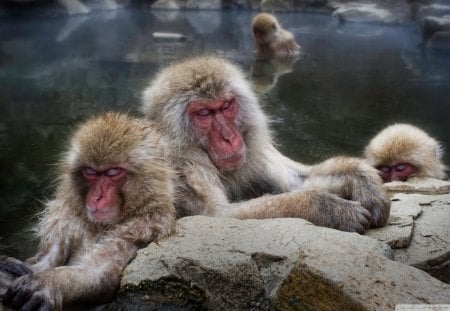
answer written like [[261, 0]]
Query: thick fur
[[79, 261], [268, 184], [276, 41], [404, 143]]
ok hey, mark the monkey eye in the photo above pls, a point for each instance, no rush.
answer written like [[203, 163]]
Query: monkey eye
[[384, 169], [203, 113], [89, 172], [113, 172], [400, 167]]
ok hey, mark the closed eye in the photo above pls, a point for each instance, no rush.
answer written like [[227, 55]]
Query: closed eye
[[89, 172], [113, 172], [203, 113]]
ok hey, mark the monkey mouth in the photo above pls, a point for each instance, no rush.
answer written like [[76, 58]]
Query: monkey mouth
[[231, 162], [103, 216]]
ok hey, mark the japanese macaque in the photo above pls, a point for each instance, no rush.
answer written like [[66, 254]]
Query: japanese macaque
[[114, 195], [401, 151], [228, 165], [271, 39]]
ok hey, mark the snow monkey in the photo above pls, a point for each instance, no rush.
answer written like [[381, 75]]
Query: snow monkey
[[401, 151], [114, 195], [271, 39], [228, 166]]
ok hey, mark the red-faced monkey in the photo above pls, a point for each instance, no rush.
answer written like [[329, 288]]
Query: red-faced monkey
[[271, 39], [401, 151], [228, 164], [114, 194]]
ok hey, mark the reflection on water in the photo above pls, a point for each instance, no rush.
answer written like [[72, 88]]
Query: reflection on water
[[350, 81]]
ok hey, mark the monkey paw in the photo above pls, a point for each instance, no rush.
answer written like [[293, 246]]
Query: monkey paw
[[351, 216], [13, 267], [30, 292]]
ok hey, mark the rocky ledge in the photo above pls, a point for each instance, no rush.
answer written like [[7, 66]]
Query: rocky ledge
[[290, 264]]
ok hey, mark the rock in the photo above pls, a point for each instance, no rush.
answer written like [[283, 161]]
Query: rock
[[398, 232], [432, 25], [419, 185], [277, 5], [204, 4], [367, 13], [440, 40], [169, 4], [429, 248], [437, 10], [281, 264], [168, 37]]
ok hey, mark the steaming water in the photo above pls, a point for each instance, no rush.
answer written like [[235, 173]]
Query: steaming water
[[351, 81]]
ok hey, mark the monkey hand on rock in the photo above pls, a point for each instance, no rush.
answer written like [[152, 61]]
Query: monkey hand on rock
[[353, 179]]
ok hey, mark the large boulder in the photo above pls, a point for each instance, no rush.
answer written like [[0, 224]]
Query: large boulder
[[281, 264]]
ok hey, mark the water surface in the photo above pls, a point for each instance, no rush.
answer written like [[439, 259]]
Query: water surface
[[351, 81]]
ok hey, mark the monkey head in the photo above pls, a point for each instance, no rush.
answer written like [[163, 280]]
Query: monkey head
[[265, 28], [401, 151], [102, 162], [204, 103]]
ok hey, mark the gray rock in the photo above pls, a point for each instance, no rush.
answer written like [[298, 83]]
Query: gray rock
[[281, 264], [361, 12], [204, 4], [277, 5], [429, 248], [440, 40], [438, 10], [419, 185], [169, 4], [432, 25]]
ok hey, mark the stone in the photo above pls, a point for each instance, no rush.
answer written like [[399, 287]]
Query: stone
[[168, 4], [277, 5], [440, 40], [204, 4], [367, 13], [279, 264], [168, 37], [432, 25], [429, 248], [419, 185], [437, 10]]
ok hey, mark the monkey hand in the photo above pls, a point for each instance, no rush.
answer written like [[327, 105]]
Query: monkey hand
[[329, 210], [13, 267], [353, 179], [33, 292]]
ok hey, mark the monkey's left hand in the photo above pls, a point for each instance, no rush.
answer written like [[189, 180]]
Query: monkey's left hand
[[33, 292], [13, 267], [353, 179]]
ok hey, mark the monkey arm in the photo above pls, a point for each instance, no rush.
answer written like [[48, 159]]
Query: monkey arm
[[319, 207], [58, 230], [92, 280], [352, 179]]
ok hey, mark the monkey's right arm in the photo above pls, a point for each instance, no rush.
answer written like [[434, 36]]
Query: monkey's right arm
[[57, 233], [93, 279], [319, 207]]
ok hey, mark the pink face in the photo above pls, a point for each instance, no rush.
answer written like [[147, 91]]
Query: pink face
[[103, 200], [215, 122], [396, 172]]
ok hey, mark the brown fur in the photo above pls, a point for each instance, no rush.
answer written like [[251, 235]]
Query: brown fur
[[91, 256], [274, 41], [343, 193], [404, 143]]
